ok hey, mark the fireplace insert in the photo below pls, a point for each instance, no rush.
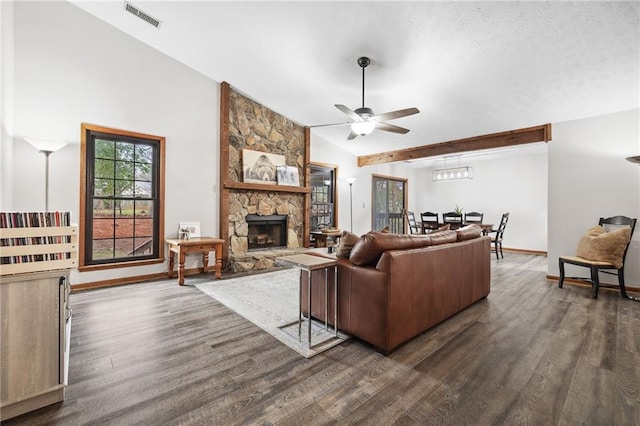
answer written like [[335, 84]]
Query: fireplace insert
[[266, 232]]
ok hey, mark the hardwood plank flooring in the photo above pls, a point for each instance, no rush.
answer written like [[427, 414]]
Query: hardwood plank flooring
[[531, 353]]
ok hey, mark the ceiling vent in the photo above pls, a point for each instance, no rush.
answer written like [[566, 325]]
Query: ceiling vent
[[140, 14]]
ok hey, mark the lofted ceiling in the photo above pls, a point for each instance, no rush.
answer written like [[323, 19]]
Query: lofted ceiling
[[471, 68]]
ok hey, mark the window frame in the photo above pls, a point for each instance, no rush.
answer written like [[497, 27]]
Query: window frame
[[86, 182]]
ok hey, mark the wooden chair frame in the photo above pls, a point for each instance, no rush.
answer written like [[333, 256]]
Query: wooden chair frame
[[497, 239], [604, 267], [429, 221]]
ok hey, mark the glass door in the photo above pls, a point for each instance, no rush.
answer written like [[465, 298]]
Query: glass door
[[389, 201]]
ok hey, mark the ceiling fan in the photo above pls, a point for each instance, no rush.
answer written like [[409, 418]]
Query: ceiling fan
[[364, 120]]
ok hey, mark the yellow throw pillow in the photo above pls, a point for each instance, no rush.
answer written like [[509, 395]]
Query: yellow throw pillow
[[347, 240], [385, 229], [602, 246]]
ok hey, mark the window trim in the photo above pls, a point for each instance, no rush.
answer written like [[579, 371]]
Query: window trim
[[82, 266]]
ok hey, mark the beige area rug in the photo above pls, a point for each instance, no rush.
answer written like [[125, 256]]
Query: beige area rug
[[270, 301]]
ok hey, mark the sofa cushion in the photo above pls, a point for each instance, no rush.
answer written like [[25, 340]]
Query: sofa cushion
[[347, 240], [602, 246], [468, 232], [443, 237], [369, 247], [445, 227]]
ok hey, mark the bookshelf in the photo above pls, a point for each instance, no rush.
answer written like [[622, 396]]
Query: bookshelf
[[37, 251]]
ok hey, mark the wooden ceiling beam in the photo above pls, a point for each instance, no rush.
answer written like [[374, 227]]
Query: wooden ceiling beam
[[496, 140]]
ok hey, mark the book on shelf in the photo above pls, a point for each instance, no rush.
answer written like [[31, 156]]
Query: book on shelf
[[12, 220]]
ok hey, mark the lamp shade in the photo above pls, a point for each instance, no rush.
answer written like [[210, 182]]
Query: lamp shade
[[350, 180], [45, 145]]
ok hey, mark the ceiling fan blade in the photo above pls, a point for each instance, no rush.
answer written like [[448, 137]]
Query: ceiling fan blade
[[328, 125], [350, 113], [391, 128], [352, 136], [396, 114]]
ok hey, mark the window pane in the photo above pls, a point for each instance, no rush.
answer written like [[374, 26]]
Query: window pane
[[144, 228], [103, 188], [124, 188], [102, 249], [144, 154], [143, 246], [105, 149], [103, 208], [103, 228], [144, 209], [124, 228], [124, 151], [124, 170], [143, 189], [143, 171], [104, 169], [124, 247]]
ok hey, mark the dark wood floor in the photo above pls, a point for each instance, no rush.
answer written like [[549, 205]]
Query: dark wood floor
[[157, 353]]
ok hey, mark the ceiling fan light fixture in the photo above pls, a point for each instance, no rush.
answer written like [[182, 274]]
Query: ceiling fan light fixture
[[363, 127]]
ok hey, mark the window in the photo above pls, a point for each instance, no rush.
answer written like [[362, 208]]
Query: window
[[121, 198], [323, 185]]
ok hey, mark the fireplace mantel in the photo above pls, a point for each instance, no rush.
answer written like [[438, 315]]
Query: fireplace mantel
[[261, 187]]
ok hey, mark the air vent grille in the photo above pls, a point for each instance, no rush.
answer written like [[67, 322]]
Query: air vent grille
[[140, 14]]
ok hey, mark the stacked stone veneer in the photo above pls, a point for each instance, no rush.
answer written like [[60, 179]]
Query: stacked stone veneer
[[253, 126]]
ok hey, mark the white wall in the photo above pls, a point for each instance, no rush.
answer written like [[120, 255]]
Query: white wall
[[71, 68], [589, 178], [6, 103], [516, 184]]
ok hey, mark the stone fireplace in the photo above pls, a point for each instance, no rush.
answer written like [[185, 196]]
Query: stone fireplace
[[265, 220], [266, 232]]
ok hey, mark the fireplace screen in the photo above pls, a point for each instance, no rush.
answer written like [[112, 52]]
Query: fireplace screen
[[267, 231]]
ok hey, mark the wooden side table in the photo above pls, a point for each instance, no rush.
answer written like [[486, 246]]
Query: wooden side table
[[194, 245]]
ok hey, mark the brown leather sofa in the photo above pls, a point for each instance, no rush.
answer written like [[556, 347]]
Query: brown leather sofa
[[394, 287]]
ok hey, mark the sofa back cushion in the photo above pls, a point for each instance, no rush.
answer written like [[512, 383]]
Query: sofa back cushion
[[443, 237], [468, 232], [368, 249], [347, 241]]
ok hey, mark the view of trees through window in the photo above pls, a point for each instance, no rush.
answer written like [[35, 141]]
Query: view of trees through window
[[121, 203]]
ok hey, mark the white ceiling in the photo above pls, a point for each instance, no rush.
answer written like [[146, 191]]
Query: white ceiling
[[471, 68]]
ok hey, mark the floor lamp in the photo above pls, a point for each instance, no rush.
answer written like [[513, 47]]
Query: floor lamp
[[350, 182], [47, 147]]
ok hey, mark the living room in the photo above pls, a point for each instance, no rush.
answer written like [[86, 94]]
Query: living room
[[138, 99], [62, 66]]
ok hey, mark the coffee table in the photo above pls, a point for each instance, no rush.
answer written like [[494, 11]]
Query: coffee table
[[307, 264]]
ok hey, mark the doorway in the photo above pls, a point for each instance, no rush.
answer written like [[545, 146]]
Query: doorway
[[389, 199]]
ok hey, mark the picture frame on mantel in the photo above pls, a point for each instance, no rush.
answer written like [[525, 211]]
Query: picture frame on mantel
[[288, 175], [261, 167]]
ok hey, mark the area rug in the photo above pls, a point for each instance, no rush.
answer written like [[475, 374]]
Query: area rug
[[270, 301]]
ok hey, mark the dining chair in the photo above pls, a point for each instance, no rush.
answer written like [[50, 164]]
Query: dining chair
[[496, 239], [473, 218], [414, 228], [453, 219], [606, 267], [429, 221]]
